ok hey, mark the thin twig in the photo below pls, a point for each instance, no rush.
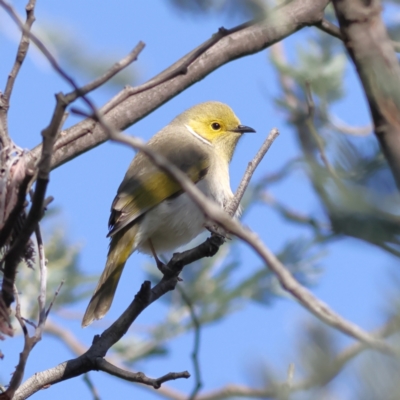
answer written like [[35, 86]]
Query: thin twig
[[253, 164], [18, 374], [140, 377], [22, 49], [334, 31], [329, 28], [54, 297], [196, 347], [117, 67]]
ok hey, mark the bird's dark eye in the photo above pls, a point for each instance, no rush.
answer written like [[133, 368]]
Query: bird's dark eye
[[216, 126]]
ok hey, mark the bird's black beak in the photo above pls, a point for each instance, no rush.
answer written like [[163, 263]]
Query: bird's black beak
[[243, 129]]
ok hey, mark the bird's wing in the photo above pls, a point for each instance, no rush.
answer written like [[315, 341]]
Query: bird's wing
[[145, 186]]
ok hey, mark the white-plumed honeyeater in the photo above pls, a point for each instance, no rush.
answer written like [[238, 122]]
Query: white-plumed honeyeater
[[150, 212]]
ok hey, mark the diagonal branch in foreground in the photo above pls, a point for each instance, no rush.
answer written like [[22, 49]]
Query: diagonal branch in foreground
[[286, 279]]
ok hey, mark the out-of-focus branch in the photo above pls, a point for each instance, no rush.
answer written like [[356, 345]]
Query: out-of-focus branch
[[91, 387], [317, 138], [196, 347], [280, 23], [334, 31], [369, 46], [342, 127]]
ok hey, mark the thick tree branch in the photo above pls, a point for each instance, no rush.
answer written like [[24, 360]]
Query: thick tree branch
[[281, 23], [369, 46]]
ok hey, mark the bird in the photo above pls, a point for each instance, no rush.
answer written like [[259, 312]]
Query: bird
[[151, 213]]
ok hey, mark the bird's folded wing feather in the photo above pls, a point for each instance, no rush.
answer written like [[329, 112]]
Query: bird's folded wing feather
[[145, 186]]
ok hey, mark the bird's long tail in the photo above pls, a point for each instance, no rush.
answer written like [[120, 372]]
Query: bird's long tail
[[121, 247]]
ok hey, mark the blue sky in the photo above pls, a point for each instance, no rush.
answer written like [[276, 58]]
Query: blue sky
[[354, 274]]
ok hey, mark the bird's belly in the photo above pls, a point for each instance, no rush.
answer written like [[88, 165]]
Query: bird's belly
[[169, 225]]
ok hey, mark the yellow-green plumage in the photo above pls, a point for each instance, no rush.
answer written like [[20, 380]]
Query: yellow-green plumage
[[150, 205]]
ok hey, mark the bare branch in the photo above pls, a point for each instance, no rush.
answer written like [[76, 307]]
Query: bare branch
[[251, 167], [117, 67], [22, 49], [18, 374], [54, 298]]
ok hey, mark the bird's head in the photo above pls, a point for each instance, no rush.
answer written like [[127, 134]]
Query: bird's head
[[215, 124]]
